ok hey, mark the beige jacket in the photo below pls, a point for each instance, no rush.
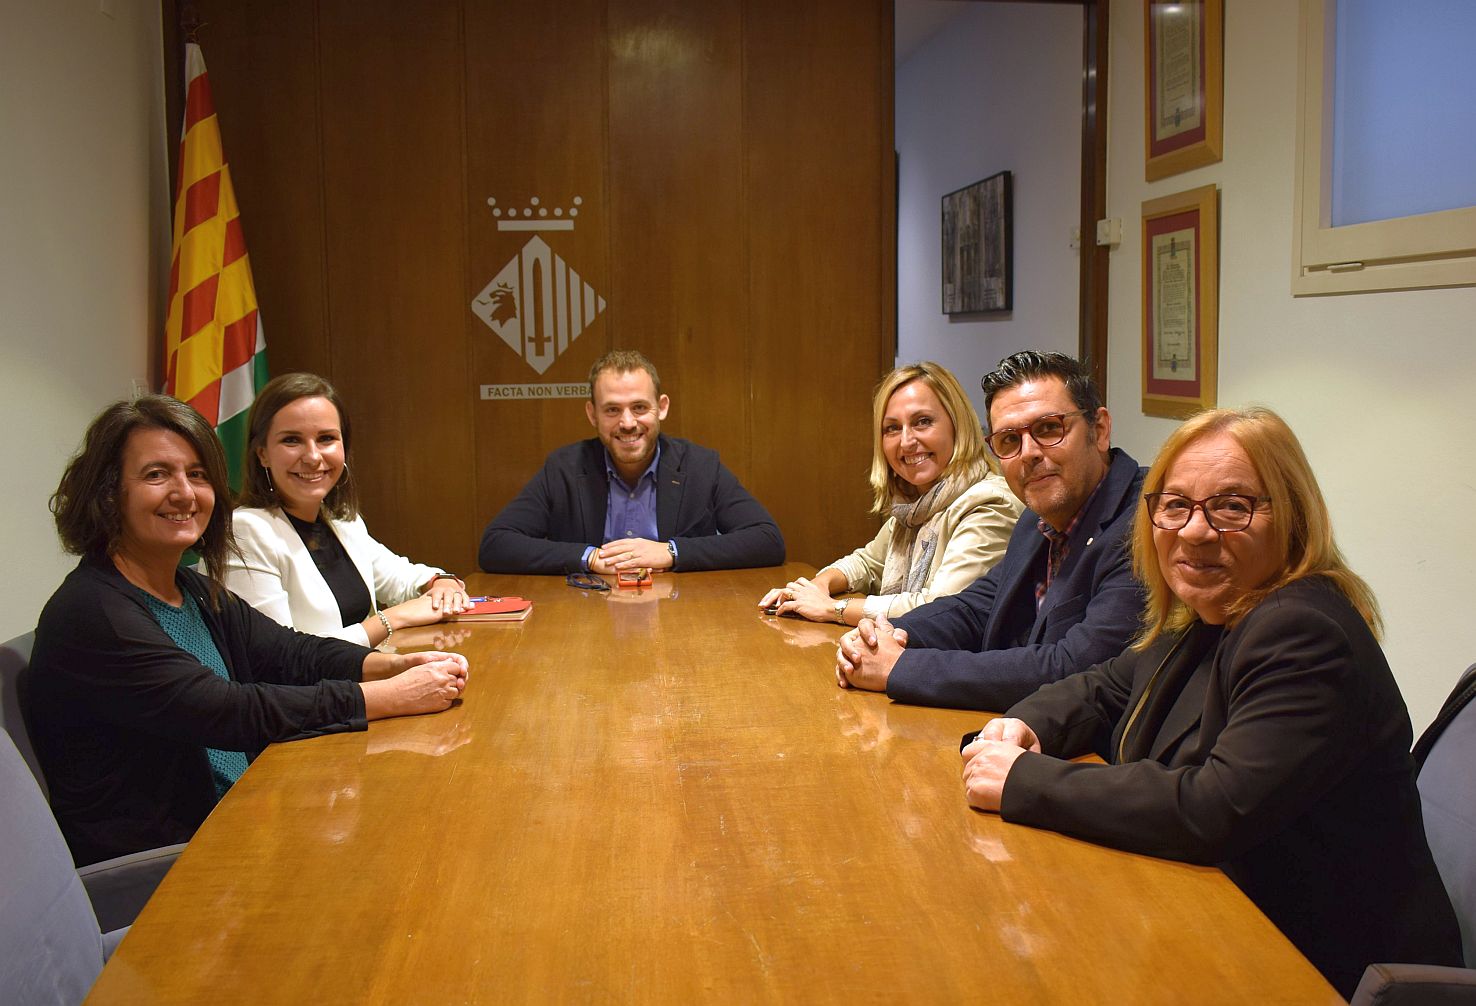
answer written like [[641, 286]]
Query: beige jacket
[[972, 534]]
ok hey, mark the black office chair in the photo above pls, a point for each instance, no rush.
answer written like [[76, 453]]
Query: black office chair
[[1446, 756], [118, 888]]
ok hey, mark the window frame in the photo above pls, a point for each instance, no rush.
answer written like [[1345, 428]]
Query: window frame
[[1413, 252]]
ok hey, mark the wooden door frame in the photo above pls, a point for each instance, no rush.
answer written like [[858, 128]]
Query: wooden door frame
[[1092, 300], [1092, 290]]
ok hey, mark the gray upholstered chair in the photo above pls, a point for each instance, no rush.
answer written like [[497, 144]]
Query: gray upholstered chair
[[118, 888], [53, 947], [1446, 755], [15, 654], [1414, 985], [1447, 766]]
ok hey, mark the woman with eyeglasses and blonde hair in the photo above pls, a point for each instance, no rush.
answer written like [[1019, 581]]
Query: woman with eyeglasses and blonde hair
[[949, 512], [306, 557], [1253, 725]]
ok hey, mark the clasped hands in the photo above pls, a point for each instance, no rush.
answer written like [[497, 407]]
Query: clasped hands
[[866, 654], [626, 554], [989, 757], [403, 684]]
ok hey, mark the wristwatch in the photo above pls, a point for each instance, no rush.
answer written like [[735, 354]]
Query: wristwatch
[[840, 610], [443, 576], [671, 547]]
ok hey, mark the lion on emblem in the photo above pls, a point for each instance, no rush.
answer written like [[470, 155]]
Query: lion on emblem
[[504, 304]]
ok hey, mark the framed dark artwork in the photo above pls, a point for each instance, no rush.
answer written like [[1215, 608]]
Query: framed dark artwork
[[979, 247], [1181, 297], [1183, 83]]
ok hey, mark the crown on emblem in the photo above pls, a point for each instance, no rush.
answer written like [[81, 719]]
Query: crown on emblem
[[535, 217]]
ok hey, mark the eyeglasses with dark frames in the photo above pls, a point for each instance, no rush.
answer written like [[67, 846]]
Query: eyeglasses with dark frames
[[586, 581], [1222, 511], [1047, 431]]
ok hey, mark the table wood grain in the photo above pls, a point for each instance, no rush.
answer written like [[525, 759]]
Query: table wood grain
[[664, 797]]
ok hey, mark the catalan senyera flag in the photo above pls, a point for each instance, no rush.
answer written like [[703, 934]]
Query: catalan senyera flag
[[213, 342]]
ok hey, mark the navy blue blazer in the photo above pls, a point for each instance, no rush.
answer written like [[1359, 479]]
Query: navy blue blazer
[[699, 503], [988, 646]]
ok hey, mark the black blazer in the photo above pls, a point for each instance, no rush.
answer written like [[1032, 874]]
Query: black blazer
[[1284, 760], [988, 646], [699, 503]]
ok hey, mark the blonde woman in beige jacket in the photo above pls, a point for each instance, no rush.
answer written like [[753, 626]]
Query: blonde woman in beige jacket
[[949, 513]]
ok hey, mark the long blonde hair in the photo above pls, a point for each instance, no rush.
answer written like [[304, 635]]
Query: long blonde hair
[[1301, 529], [969, 451]]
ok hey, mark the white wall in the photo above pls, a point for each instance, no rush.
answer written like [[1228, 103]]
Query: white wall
[[999, 88], [84, 248], [1376, 385]]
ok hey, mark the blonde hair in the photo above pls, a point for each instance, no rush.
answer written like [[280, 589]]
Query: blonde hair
[[970, 455], [1301, 529]]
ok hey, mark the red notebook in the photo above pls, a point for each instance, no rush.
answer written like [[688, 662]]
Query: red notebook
[[494, 609]]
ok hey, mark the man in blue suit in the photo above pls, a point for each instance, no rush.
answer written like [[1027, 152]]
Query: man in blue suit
[[1063, 597], [631, 497]]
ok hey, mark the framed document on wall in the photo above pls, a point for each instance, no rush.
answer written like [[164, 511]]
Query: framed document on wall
[[1181, 301], [1183, 85], [978, 246]]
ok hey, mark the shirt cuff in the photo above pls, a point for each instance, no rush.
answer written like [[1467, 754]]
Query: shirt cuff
[[589, 550], [875, 606]]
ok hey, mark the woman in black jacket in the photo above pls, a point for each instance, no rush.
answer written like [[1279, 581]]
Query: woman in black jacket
[[1254, 724], [150, 686]]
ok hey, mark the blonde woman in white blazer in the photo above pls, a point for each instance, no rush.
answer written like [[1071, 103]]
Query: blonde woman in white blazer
[[307, 560], [949, 513]]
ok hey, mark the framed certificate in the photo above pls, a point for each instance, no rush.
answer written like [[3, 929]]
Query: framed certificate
[[1183, 85], [1181, 279]]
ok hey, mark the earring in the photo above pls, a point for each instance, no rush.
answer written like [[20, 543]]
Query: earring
[[271, 488]]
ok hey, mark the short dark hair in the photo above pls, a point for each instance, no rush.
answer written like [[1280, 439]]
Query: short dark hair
[[85, 503], [342, 501], [1029, 365], [623, 361]]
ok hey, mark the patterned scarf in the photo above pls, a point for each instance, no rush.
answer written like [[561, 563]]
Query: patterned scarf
[[915, 536]]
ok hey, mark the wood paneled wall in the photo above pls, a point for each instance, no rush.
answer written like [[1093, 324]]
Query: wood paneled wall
[[733, 162]]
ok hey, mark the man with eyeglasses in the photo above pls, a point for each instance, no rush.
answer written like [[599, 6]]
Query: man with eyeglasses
[[631, 497], [1063, 597]]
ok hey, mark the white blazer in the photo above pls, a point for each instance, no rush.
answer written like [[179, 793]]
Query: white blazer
[[278, 577]]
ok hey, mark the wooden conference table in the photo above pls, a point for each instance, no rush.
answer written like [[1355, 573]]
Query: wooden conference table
[[665, 798]]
